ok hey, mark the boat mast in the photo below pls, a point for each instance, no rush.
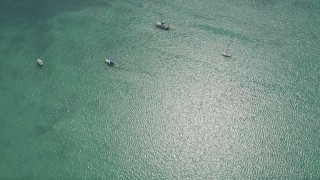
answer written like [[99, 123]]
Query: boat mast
[[227, 48]]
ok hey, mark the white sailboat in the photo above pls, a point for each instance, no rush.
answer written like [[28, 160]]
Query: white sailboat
[[225, 54]]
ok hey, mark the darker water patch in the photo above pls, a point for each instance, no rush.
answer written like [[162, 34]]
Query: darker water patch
[[42, 41], [51, 116], [3, 122], [35, 15], [266, 2], [135, 4], [38, 11], [225, 32], [56, 137], [62, 154], [42, 129], [14, 44], [202, 17], [305, 4]]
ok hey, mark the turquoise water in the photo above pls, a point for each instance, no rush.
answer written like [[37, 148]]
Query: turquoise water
[[174, 108]]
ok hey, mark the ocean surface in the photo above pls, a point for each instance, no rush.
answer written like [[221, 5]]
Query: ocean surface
[[174, 108]]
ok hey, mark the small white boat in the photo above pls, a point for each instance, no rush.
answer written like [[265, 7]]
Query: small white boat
[[39, 61], [225, 54], [162, 25], [109, 62]]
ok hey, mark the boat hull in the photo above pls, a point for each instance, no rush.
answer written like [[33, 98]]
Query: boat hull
[[226, 55]]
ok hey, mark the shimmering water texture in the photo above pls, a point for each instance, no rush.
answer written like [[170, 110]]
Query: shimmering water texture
[[175, 108]]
